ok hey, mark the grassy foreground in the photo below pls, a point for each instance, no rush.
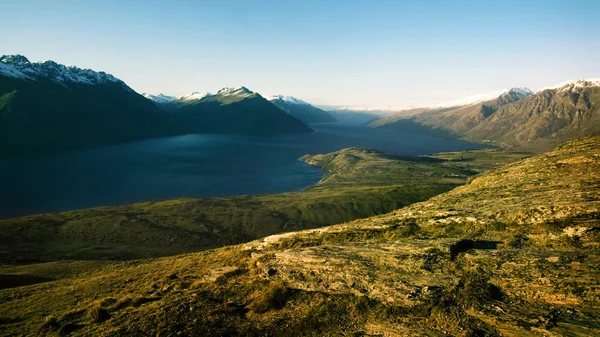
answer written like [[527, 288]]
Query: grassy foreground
[[358, 183], [512, 253]]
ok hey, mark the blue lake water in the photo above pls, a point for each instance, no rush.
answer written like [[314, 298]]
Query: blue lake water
[[188, 166]]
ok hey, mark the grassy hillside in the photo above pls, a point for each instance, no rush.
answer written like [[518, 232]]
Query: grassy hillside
[[357, 184], [512, 253]]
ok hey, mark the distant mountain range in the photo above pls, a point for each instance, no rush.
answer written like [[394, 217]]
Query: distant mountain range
[[517, 116], [230, 110], [295, 107], [49, 106], [302, 110]]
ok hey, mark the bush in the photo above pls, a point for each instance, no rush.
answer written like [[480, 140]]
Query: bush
[[50, 323], [98, 314], [273, 298]]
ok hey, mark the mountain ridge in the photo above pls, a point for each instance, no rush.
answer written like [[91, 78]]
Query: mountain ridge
[[46, 106], [551, 116], [300, 109]]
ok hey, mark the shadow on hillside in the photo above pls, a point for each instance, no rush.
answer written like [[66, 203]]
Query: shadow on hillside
[[13, 281]]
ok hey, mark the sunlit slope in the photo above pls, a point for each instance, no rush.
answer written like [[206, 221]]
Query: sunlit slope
[[358, 183], [512, 253]]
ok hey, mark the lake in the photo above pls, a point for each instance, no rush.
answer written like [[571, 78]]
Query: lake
[[188, 166]]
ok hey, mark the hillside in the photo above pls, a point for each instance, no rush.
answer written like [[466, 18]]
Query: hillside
[[357, 183], [549, 117], [452, 120], [302, 110], [536, 122], [512, 253], [232, 110], [48, 106]]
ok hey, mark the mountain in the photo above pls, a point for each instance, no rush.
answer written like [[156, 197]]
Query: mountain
[[301, 109], [551, 116], [517, 117], [160, 98], [46, 106], [49, 106], [454, 118], [232, 110]]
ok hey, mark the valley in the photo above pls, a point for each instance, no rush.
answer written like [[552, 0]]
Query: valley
[[357, 183], [521, 262], [300, 168]]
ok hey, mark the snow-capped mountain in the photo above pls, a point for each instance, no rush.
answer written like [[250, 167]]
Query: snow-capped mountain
[[474, 99], [232, 110], [19, 67], [517, 116], [287, 99], [518, 92], [194, 96], [572, 84], [160, 98], [240, 92], [48, 106], [455, 117], [300, 109]]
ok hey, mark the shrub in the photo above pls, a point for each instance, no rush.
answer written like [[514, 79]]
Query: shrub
[[273, 298], [50, 323], [98, 314]]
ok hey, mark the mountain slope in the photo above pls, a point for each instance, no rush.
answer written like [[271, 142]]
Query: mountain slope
[[45, 106], [233, 110], [518, 118], [48, 106], [454, 119], [512, 253], [301, 109], [160, 98], [357, 183], [547, 118]]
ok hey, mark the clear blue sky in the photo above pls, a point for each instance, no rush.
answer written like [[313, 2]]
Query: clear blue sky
[[396, 52]]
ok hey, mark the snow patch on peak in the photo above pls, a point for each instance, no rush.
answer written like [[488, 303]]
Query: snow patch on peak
[[160, 98], [571, 84], [287, 99], [239, 91], [522, 92], [14, 59], [10, 71], [194, 96], [18, 66]]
